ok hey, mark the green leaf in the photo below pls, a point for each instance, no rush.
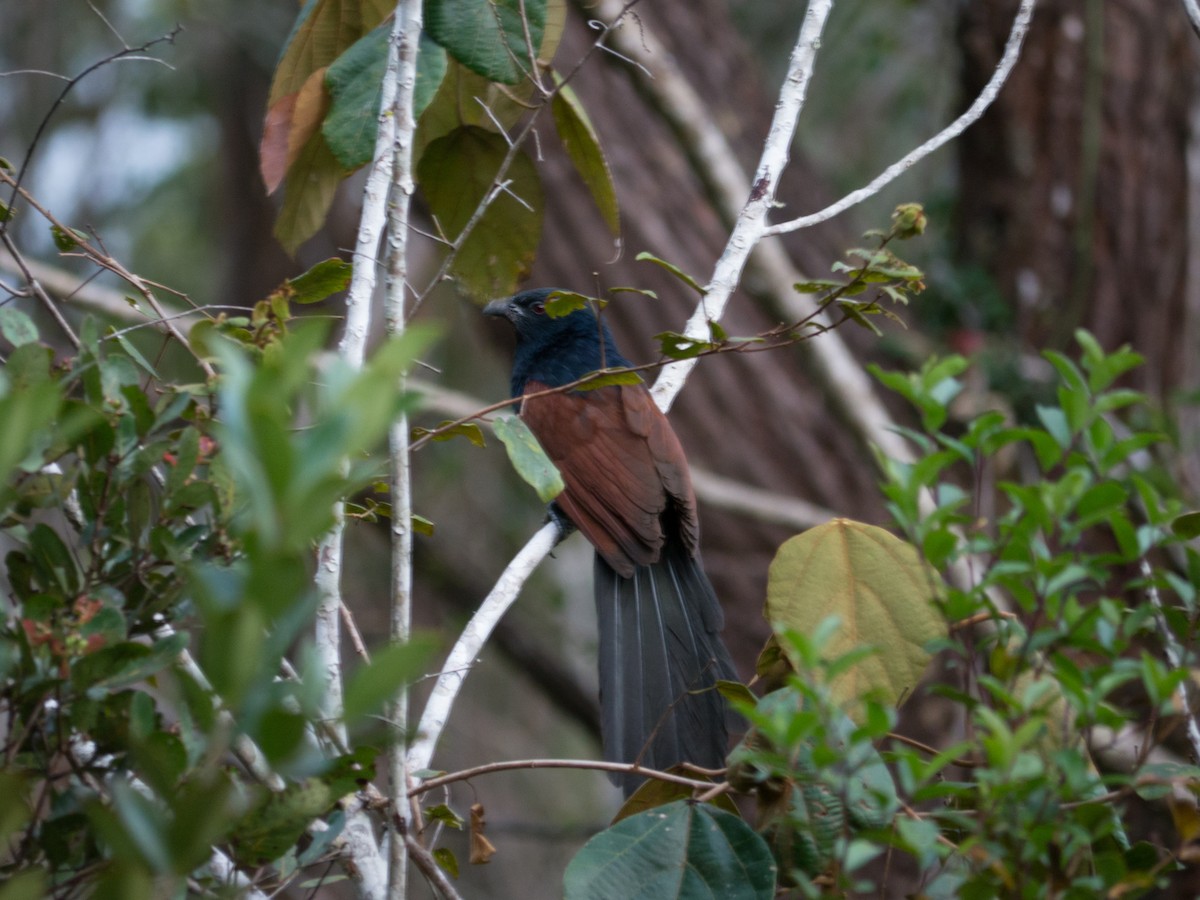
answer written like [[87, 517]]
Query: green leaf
[[323, 29], [582, 144], [445, 815], [136, 355], [633, 290], [276, 823], [488, 38], [608, 379], [14, 807], [375, 683], [321, 281], [118, 668], [355, 84], [528, 457], [447, 430], [27, 885], [447, 860], [1187, 526], [817, 286], [674, 270], [1055, 422], [563, 303], [680, 346], [457, 173], [26, 411], [465, 98], [654, 792], [66, 239], [877, 586], [17, 327], [679, 850]]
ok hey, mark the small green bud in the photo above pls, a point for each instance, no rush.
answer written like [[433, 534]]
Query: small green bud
[[908, 221]]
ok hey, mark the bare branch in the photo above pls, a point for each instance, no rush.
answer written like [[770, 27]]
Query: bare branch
[[587, 764], [105, 261], [403, 47], [471, 641], [1193, 11], [430, 868], [1177, 656], [1012, 52]]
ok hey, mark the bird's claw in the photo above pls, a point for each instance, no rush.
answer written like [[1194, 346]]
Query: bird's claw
[[565, 526]]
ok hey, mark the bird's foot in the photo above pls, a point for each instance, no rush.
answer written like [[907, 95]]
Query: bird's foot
[[559, 518]]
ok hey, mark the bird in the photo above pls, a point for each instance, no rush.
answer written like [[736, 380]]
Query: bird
[[628, 490]]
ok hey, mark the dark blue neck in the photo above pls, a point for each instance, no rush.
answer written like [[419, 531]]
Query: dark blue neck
[[564, 352]]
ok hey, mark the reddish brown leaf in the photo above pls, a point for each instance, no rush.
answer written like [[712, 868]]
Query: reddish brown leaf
[[481, 847], [311, 105], [273, 150]]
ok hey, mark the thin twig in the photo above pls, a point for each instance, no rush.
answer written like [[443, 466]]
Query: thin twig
[[594, 765], [1176, 656], [466, 649], [102, 259], [429, 868], [38, 291], [1012, 52]]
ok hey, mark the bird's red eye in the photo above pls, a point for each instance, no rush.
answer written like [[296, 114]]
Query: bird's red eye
[[538, 308]]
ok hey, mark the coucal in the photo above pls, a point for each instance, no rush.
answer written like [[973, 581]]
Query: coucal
[[629, 491]]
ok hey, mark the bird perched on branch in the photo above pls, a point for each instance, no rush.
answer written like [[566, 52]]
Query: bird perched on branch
[[629, 491]]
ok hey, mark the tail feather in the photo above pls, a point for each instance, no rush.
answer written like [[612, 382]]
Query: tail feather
[[660, 644]]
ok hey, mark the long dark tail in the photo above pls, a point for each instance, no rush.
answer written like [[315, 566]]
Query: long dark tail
[[660, 644]]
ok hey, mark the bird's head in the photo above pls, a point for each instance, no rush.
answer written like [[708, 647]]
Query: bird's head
[[526, 312], [554, 349]]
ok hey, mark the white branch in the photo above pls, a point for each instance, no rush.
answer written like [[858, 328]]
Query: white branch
[[750, 224], [225, 871], [1012, 52], [466, 650], [368, 869], [1193, 11], [1176, 656], [404, 47]]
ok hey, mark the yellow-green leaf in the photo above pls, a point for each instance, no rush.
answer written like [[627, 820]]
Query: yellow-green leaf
[[456, 173], [528, 457], [464, 98], [879, 588], [652, 792], [323, 29], [582, 144], [308, 193]]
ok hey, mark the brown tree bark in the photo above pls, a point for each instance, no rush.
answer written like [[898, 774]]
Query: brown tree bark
[[1075, 186]]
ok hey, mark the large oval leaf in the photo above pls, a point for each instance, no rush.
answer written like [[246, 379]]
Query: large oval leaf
[[682, 850], [879, 588], [488, 38], [308, 193], [456, 173]]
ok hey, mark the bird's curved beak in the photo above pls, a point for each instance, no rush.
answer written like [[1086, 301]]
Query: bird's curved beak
[[498, 308]]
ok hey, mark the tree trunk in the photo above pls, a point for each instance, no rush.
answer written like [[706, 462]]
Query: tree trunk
[[1075, 185]]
